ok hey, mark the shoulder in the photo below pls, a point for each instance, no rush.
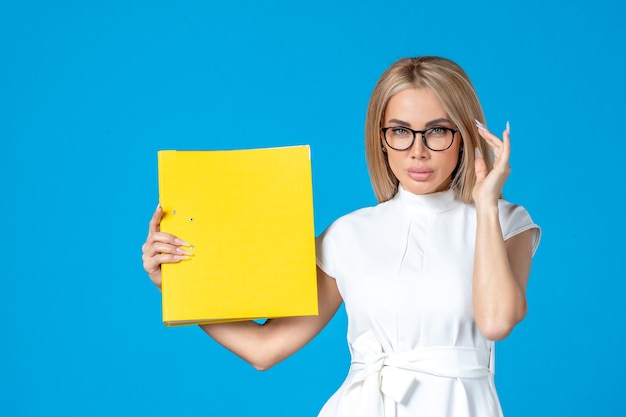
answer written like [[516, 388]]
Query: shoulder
[[513, 214], [363, 218], [350, 230], [515, 219]]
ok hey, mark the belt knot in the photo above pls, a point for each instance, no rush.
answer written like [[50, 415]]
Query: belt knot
[[381, 379]]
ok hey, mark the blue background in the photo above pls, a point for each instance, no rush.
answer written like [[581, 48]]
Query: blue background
[[89, 91]]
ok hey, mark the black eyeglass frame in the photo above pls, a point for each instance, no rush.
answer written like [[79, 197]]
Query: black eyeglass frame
[[422, 132]]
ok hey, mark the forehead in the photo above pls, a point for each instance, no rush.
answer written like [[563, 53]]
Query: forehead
[[415, 105]]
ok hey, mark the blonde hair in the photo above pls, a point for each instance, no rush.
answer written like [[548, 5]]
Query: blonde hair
[[453, 88]]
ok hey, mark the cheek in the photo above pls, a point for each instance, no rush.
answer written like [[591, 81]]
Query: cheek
[[394, 164], [449, 161]]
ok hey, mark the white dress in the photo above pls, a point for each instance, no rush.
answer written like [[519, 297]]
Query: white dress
[[404, 270]]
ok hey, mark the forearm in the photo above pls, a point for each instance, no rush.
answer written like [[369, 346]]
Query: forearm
[[261, 345], [264, 345], [498, 295]]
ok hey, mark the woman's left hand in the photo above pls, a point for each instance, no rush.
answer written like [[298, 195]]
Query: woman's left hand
[[489, 185]]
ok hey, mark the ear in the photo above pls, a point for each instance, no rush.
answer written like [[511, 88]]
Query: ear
[[382, 142]]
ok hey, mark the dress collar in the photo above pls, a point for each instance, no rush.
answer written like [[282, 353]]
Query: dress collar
[[426, 203]]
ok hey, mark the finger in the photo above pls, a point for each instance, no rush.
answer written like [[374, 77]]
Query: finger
[[153, 264], [166, 238], [492, 140], [480, 167], [506, 141], [153, 251], [485, 133], [159, 247], [498, 146], [155, 221]]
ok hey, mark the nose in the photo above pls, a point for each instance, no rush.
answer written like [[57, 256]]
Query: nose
[[418, 150]]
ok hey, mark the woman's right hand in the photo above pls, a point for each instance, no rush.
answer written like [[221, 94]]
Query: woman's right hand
[[161, 248]]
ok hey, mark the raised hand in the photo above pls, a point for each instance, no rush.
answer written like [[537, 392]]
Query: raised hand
[[489, 185]]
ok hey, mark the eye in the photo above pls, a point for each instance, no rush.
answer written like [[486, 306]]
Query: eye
[[438, 131], [399, 131]]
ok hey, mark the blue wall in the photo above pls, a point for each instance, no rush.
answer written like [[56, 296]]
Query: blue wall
[[89, 91]]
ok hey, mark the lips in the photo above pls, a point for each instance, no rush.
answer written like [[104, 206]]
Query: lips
[[420, 173]]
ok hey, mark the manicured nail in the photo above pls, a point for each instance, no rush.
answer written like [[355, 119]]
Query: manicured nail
[[508, 127], [181, 258], [477, 152], [183, 251], [179, 242], [480, 125]]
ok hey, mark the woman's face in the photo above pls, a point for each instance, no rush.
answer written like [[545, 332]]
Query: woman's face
[[419, 169]]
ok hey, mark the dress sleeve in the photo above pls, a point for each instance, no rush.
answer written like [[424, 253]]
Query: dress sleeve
[[515, 219], [324, 252]]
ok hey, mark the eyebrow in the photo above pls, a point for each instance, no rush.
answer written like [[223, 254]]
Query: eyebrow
[[428, 124]]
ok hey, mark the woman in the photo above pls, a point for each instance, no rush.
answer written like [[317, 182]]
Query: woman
[[430, 277]]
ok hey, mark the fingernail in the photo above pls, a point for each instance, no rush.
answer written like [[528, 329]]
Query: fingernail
[[158, 205], [480, 125], [183, 251], [477, 152], [508, 127], [181, 242], [180, 258]]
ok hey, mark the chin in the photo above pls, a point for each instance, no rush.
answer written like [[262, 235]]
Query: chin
[[421, 190]]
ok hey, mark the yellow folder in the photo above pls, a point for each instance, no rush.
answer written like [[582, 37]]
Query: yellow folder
[[248, 215]]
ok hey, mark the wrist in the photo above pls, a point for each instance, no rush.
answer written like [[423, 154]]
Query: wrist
[[487, 208], [486, 197]]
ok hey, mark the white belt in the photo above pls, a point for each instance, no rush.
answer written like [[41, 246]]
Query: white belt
[[380, 380]]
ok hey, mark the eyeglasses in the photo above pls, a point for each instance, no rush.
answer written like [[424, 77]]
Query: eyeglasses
[[402, 138]]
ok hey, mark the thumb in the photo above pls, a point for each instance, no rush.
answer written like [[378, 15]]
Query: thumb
[[480, 166]]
